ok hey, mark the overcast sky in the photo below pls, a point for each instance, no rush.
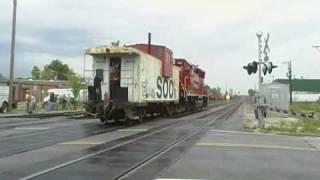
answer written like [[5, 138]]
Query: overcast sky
[[217, 35]]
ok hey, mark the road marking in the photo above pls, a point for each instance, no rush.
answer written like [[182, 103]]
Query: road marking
[[132, 130], [31, 128], [83, 142], [265, 146], [243, 132], [175, 179]]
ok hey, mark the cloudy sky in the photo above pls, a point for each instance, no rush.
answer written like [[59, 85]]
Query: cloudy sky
[[217, 35]]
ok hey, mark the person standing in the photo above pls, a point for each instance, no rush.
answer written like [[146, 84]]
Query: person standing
[[64, 102], [51, 102], [28, 100], [32, 105], [98, 95]]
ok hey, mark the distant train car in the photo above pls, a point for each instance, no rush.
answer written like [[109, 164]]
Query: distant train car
[[192, 88], [132, 81]]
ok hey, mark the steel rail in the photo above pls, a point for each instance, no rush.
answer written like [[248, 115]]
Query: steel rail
[[170, 146], [126, 142]]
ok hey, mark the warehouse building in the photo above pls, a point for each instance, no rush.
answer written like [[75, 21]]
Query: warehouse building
[[276, 95], [303, 90]]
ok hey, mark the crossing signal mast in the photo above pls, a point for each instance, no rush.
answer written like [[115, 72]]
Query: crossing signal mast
[[257, 66]]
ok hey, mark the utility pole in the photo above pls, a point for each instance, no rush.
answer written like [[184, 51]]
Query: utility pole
[[289, 75], [12, 55], [290, 80]]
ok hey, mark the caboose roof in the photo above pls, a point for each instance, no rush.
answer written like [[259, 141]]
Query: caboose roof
[[111, 49]]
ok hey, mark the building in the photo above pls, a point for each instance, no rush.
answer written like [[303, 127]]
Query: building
[[37, 88], [303, 90], [276, 95]]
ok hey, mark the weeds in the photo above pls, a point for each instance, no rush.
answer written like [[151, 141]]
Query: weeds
[[305, 107], [303, 125]]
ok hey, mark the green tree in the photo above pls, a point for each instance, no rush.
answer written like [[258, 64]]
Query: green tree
[[218, 89], [56, 70], [35, 72], [251, 92], [76, 86], [75, 83], [2, 77]]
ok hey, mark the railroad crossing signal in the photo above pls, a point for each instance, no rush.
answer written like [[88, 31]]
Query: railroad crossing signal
[[266, 48], [267, 67], [251, 67], [270, 67]]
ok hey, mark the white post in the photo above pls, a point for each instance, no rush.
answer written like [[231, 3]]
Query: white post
[[259, 107]]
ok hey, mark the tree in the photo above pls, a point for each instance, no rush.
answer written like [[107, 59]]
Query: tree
[[251, 92], [35, 72], [206, 86], [2, 77], [56, 70], [76, 86], [75, 83], [218, 89]]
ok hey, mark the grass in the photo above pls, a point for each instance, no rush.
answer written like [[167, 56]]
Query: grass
[[305, 107], [289, 126], [302, 126]]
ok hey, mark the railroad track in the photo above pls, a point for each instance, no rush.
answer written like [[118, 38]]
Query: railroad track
[[15, 124], [164, 150], [10, 147], [72, 133], [18, 123], [69, 116], [43, 115], [168, 137]]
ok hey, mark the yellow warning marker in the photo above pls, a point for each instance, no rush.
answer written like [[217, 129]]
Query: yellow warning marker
[[82, 142], [254, 146]]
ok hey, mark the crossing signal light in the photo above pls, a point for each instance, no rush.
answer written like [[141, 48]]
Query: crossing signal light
[[264, 69], [270, 67], [267, 67], [251, 67]]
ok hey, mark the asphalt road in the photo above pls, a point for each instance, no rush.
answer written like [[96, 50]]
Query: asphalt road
[[227, 151], [222, 150], [19, 137]]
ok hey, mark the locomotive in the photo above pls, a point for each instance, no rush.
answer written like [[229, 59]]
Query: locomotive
[[133, 81]]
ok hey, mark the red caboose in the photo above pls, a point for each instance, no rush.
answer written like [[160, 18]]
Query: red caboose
[[162, 85]]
